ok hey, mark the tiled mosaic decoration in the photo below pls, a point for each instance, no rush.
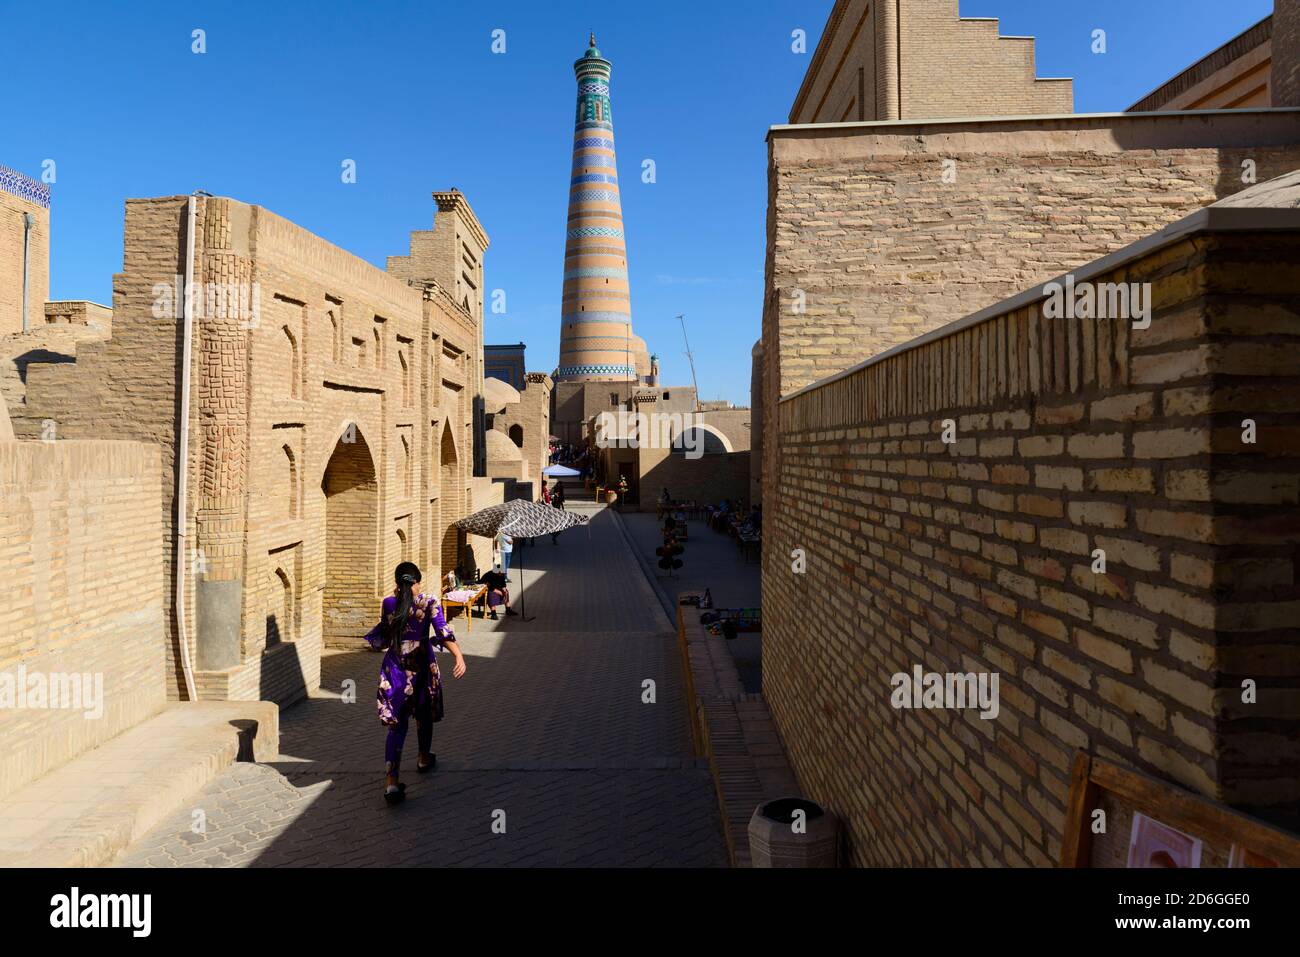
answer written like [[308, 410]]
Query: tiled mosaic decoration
[[24, 187]]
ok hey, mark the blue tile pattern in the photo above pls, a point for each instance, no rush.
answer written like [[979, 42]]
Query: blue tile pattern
[[565, 371], [577, 318], [595, 196], [594, 159], [596, 272], [24, 187], [593, 178], [589, 232]]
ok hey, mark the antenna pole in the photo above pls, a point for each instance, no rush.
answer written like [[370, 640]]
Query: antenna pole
[[691, 357]]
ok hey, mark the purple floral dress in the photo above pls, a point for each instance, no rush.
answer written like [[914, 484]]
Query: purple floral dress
[[411, 674]]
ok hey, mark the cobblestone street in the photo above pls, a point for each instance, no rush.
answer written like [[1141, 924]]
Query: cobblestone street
[[547, 729]]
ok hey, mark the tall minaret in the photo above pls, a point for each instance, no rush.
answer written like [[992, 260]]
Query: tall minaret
[[596, 340]]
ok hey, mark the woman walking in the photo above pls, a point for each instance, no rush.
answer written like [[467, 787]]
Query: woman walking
[[557, 501], [409, 680]]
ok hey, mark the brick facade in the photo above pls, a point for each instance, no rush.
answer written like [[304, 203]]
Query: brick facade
[[863, 224], [709, 479], [757, 394], [527, 424], [977, 556], [1235, 76], [917, 60], [22, 196], [332, 431], [869, 247], [1285, 81], [79, 312], [80, 550]]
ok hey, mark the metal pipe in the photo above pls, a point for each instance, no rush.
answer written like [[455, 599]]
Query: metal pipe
[[183, 454], [28, 222]]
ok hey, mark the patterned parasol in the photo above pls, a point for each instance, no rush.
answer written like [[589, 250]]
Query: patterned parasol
[[519, 519]]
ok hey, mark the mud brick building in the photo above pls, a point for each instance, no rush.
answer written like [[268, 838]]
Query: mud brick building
[[907, 257], [80, 542], [24, 250], [335, 415], [522, 426], [918, 58]]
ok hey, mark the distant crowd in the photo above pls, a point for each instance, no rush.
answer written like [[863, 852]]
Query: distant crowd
[[574, 456]]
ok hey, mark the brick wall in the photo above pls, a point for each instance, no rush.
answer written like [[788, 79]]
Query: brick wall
[[43, 344], [275, 395], [21, 195], [1235, 76], [962, 67], [1285, 84], [883, 249], [844, 82], [977, 556], [735, 424], [79, 312], [123, 388], [756, 424], [80, 549], [709, 479], [919, 59], [351, 490], [532, 414], [574, 403], [869, 247]]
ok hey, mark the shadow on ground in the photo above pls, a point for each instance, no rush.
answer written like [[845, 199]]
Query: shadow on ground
[[550, 753]]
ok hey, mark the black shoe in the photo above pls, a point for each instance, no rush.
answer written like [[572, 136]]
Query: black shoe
[[493, 616], [511, 611], [395, 795], [426, 768]]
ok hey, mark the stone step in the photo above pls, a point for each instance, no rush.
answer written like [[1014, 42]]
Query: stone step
[[87, 811]]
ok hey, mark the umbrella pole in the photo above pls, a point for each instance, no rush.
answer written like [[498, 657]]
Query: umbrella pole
[[523, 608]]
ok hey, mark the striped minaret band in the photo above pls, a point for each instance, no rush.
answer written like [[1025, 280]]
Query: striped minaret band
[[596, 340]]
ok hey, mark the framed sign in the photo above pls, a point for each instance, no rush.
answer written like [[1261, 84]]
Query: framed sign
[[1117, 817]]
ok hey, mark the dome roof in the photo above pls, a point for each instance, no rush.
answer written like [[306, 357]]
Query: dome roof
[[501, 449], [498, 394]]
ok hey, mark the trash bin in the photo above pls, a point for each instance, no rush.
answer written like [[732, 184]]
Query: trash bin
[[792, 832]]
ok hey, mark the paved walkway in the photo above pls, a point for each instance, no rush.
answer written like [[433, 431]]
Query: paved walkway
[[547, 731], [712, 560]]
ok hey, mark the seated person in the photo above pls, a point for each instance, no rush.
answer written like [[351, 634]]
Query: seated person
[[498, 593]]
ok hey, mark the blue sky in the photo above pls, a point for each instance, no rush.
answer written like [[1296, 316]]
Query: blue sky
[[413, 93]]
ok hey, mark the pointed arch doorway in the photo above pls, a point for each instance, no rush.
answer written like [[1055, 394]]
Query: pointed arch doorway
[[351, 490]]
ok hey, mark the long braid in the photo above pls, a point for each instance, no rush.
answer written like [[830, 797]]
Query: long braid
[[407, 575]]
